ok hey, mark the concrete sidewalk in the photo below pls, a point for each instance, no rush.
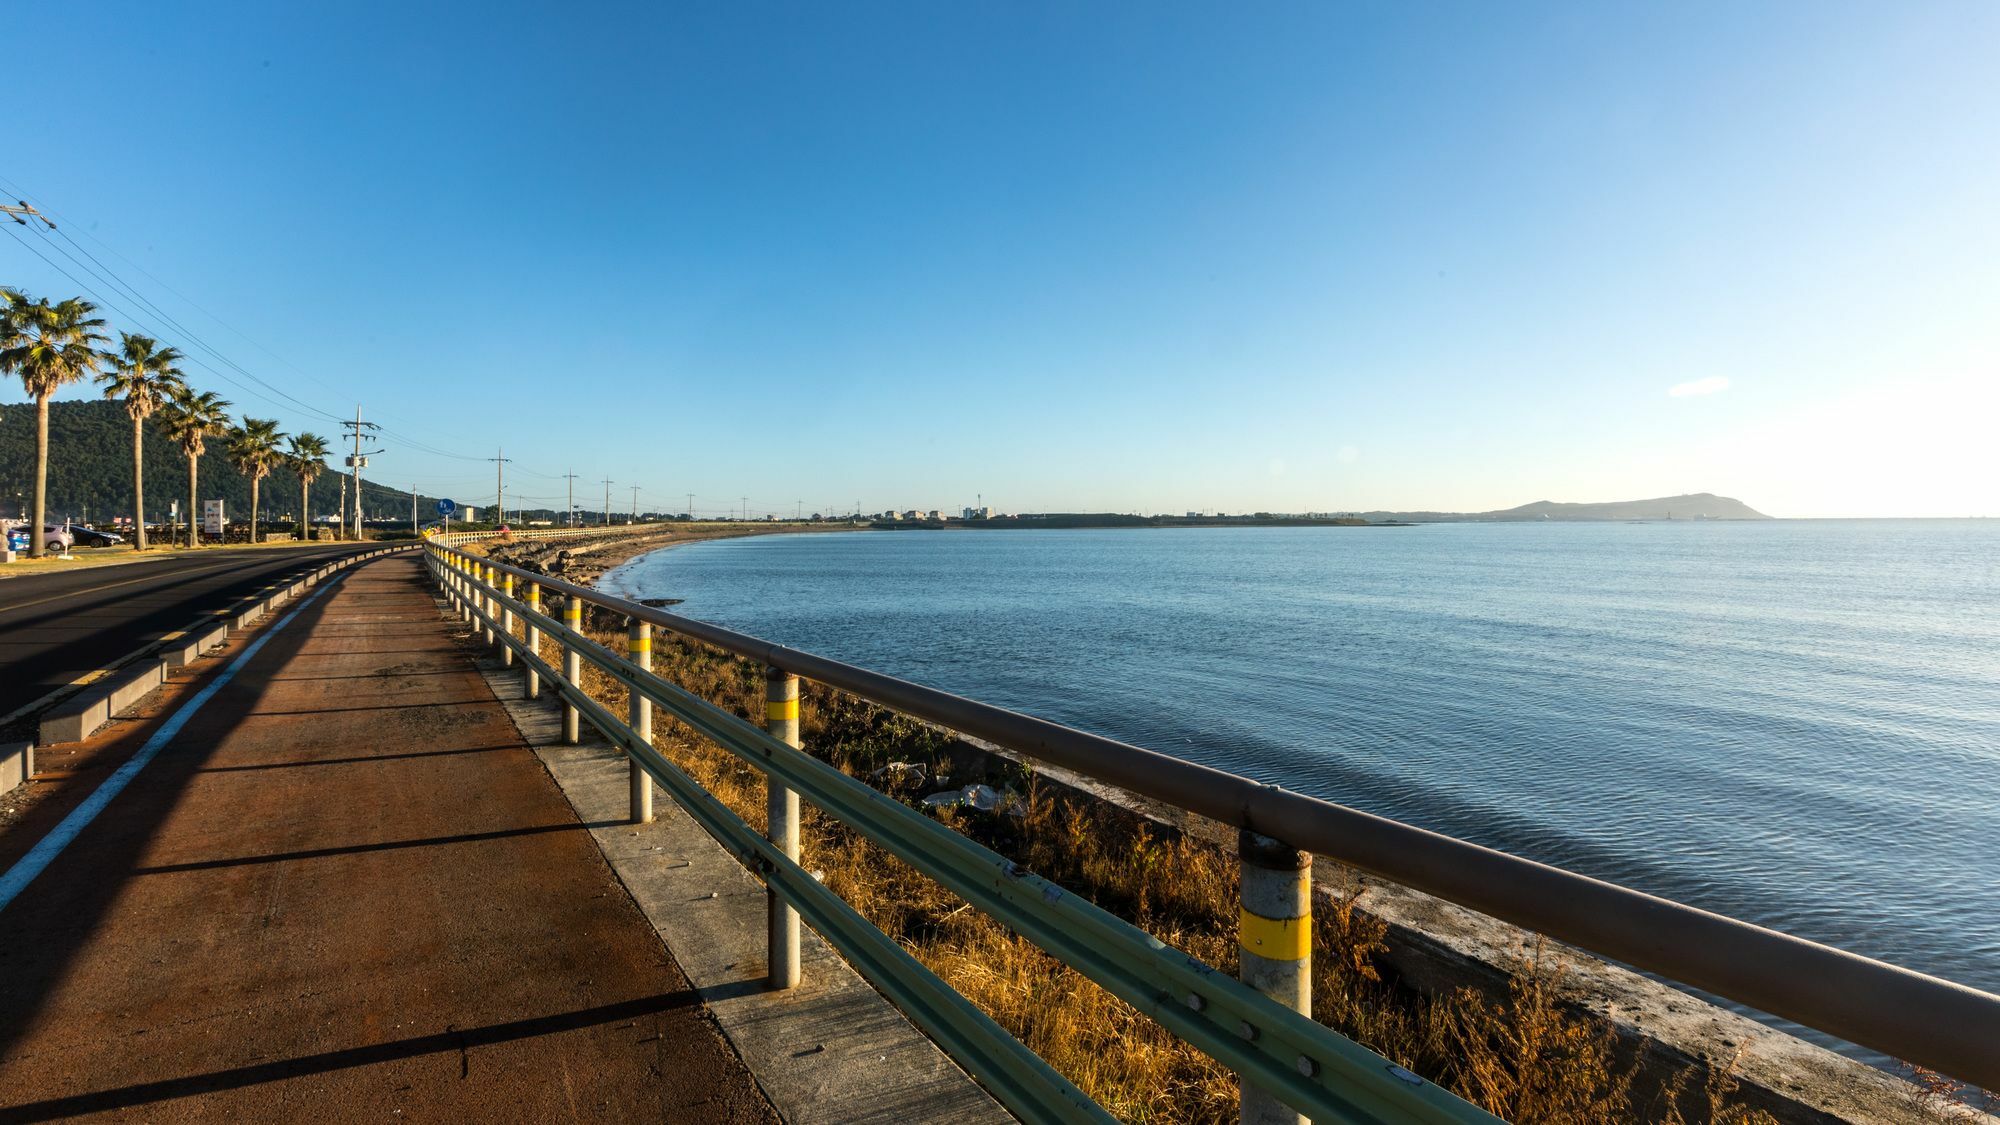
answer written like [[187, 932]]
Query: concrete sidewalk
[[345, 890]]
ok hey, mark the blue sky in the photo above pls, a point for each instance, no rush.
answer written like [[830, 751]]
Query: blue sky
[[1134, 257]]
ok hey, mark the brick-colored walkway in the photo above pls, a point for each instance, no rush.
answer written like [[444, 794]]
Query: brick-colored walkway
[[347, 891]]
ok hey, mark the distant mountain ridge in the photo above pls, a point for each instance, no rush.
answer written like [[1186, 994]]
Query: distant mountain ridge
[[1690, 506]]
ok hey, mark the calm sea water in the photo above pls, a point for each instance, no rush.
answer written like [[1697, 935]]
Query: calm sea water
[[1794, 723]]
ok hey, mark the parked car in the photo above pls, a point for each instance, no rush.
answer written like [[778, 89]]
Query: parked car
[[91, 537], [57, 539]]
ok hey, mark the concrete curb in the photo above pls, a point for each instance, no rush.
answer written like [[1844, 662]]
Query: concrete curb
[[17, 764], [127, 688], [75, 718], [182, 650]]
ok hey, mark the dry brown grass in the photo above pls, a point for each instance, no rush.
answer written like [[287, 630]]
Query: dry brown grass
[[1525, 1056]]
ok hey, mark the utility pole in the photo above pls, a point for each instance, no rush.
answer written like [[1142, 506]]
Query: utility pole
[[690, 507], [607, 502], [356, 463], [746, 509], [569, 517], [499, 486], [798, 510], [413, 508], [635, 503]]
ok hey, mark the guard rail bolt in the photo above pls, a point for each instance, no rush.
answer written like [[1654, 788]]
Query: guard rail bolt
[[507, 621], [639, 647], [534, 641], [1276, 939], [572, 664], [781, 720]]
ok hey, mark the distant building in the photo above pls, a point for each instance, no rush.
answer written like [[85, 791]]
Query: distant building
[[978, 513], [470, 514], [938, 515]]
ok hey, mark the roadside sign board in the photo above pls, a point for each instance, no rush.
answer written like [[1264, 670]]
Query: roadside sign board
[[211, 517], [446, 507]]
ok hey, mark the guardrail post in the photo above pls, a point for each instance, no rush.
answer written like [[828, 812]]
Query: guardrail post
[[781, 719], [534, 641], [639, 647], [486, 577], [507, 622], [572, 665], [1275, 937]]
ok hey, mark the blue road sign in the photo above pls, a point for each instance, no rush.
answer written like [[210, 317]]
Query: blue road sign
[[446, 507]]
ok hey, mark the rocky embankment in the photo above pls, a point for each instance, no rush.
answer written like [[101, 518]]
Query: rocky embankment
[[582, 559]]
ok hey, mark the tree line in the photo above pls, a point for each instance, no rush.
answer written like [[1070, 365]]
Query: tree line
[[51, 345], [90, 471]]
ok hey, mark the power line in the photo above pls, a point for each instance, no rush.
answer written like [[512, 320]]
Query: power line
[[25, 209], [114, 252], [136, 321], [110, 279]]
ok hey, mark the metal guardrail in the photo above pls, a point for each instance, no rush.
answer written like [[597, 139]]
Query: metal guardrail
[[1921, 1019], [1283, 1056]]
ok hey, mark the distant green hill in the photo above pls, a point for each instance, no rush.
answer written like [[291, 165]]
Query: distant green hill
[[90, 471], [1690, 506]]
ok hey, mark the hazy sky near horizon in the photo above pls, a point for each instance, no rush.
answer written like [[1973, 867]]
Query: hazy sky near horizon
[[1068, 256]]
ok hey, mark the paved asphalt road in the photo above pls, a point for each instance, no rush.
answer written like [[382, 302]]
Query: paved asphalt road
[[346, 890], [56, 627]]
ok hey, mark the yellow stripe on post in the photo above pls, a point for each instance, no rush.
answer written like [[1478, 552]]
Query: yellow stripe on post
[[781, 710], [639, 644], [1276, 939]]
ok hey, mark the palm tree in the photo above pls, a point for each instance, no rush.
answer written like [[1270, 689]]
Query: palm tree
[[190, 420], [253, 449], [308, 459], [143, 374], [48, 346]]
